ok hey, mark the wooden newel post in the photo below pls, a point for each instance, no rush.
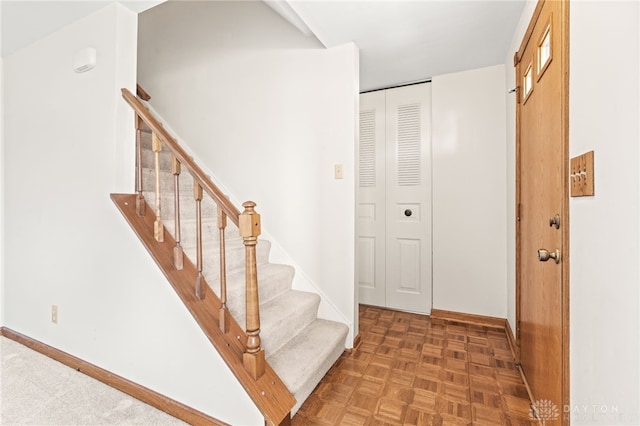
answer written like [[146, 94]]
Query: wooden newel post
[[249, 226]]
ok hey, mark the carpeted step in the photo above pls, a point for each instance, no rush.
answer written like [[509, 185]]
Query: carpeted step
[[284, 317], [210, 231], [166, 181], [148, 159], [307, 357], [234, 258], [187, 206], [273, 280], [148, 154]]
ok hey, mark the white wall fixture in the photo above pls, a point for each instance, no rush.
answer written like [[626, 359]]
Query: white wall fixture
[[84, 59]]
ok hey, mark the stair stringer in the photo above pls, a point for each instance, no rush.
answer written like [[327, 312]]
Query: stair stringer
[[301, 281], [269, 393]]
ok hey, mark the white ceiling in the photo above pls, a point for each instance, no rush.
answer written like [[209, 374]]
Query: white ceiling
[[25, 21], [400, 41], [407, 41]]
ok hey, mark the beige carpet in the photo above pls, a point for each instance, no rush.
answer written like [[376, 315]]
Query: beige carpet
[[36, 390]]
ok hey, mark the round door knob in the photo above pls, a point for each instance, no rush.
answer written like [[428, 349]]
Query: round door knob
[[544, 255], [408, 212]]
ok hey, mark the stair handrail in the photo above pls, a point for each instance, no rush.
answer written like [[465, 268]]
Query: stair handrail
[[248, 223], [142, 94], [198, 174]]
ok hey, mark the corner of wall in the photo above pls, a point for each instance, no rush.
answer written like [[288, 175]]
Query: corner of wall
[[355, 329], [2, 298], [2, 168], [125, 77]]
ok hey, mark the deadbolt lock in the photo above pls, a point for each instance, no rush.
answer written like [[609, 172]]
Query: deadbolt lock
[[544, 255], [555, 221]]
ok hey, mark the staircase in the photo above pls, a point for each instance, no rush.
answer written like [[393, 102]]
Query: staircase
[[298, 346]]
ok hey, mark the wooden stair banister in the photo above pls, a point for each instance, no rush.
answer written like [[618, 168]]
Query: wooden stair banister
[[158, 226], [142, 94], [248, 223], [187, 162], [249, 230], [269, 393], [178, 254], [140, 203]]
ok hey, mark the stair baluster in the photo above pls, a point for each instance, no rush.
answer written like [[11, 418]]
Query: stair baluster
[[140, 203], [158, 227], [197, 194], [249, 226], [178, 255], [224, 312]]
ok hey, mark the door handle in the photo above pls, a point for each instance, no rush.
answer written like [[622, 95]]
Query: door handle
[[408, 212], [544, 255]]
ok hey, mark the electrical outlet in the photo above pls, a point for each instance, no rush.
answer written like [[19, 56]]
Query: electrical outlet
[[54, 314], [338, 171]]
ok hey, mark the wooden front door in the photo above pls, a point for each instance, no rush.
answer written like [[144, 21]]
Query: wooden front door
[[542, 227]]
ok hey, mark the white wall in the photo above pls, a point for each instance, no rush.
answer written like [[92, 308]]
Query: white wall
[[510, 78], [1, 181], [269, 112], [469, 191], [604, 117], [65, 137]]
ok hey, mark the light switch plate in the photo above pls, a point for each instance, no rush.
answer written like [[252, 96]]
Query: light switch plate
[[339, 171], [582, 176]]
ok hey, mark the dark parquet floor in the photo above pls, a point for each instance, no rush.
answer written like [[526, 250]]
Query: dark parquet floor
[[415, 370]]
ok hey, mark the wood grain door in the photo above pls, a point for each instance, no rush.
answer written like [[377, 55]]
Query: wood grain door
[[542, 246]]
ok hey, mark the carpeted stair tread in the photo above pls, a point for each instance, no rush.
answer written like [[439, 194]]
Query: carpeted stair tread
[[185, 181], [273, 280], [148, 160], [187, 206], [285, 316], [306, 358], [234, 258], [210, 232]]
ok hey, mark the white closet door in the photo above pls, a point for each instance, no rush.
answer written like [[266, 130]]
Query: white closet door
[[408, 198], [370, 250]]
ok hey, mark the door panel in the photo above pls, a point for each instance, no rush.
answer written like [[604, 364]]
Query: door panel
[[542, 193], [367, 263], [408, 133], [409, 260], [370, 248]]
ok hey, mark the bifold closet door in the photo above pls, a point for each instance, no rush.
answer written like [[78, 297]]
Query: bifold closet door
[[370, 252], [408, 198], [394, 199]]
